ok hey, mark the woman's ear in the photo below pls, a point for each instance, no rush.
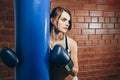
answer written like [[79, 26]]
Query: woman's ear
[[52, 20]]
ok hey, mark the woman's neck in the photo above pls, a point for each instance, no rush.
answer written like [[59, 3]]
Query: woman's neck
[[56, 35]]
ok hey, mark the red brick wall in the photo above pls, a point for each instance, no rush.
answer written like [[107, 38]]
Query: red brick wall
[[96, 28], [6, 35]]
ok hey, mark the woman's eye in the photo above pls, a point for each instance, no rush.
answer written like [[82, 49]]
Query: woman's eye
[[63, 20]]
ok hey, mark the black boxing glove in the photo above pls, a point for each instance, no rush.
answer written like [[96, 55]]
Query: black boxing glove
[[8, 57], [59, 56]]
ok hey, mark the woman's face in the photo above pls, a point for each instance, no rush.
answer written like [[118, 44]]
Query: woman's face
[[63, 22]]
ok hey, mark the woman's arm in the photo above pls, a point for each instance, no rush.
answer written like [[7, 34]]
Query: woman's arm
[[74, 57]]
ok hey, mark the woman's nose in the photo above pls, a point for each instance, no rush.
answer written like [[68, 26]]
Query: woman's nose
[[67, 23]]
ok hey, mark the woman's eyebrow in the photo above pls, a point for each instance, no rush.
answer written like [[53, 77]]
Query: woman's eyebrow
[[65, 18]]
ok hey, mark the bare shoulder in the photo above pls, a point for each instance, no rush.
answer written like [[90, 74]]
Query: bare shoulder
[[72, 42]]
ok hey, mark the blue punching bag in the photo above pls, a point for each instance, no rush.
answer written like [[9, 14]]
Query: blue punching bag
[[32, 39]]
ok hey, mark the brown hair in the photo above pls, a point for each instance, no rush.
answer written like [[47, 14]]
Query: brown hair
[[56, 13]]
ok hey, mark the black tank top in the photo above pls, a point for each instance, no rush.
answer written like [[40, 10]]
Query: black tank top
[[56, 72]]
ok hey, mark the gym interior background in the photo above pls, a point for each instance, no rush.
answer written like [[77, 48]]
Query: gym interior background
[[96, 28]]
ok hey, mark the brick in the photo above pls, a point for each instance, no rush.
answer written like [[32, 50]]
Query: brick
[[81, 43], [101, 77], [117, 48], [83, 61], [95, 25], [3, 74], [74, 19], [106, 7], [12, 45], [8, 2], [82, 73], [87, 78], [106, 60], [109, 2], [94, 37], [10, 18], [87, 19], [81, 68], [87, 55], [113, 42], [72, 12], [9, 38], [89, 67], [118, 40], [89, 7], [109, 14], [11, 78], [94, 19], [83, 50], [107, 37], [113, 20], [118, 1], [9, 25], [1, 38], [3, 17], [88, 31], [75, 31], [96, 1], [94, 49], [82, 1], [107, 20], [88, 43], [117, 14], [81, 13], [100, 66], [80, 19], [93, 61], [107, 42], [102, 31], [73, 26], [114, 31], [115, 77], [2, 66], [101, 19], [108, 25], [10, 10], [61, 1], [115, 65], [117, 6], [99, 55], [95, 42], [11, 72], [81, 37], [3, 44], [116, 59], [1, 26], [117, 36], [118, 20], [81, 25], [7, 32], [108, 48], [96, 13], [74, 6], [102, 42], [58, 4]]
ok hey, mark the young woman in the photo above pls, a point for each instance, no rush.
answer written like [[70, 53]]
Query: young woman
[[60, 23]]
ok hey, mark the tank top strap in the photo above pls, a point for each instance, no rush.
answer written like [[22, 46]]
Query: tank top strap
[[66, 43]]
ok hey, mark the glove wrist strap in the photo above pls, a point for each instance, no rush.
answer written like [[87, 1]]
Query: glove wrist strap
[[69, 66]]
